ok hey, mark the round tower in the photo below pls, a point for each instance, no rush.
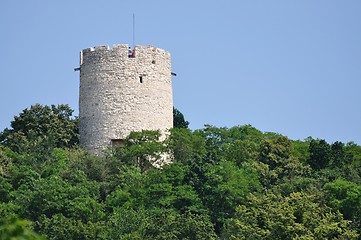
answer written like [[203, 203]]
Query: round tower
[[123, 90]]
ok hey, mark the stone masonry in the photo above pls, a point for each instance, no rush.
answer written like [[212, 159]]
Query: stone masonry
[[120, 94]]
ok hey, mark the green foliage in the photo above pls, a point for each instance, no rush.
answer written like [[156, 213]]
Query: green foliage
[[297, 216], [223, 183], [300, 150], [42, 127], [5, 189], [8, 210], [49, 196], [185, 146], [164, 188], [320, 154], [5, 163], [16, 229], [274, 152], [60, 227], [354, 150], [280, 167], [225, 187], [238, 143], [346, 197], [178, 119], [158, 224], [142, 149]]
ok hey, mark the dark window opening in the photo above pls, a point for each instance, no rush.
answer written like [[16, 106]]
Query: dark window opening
[[141, 79], [117, 143]]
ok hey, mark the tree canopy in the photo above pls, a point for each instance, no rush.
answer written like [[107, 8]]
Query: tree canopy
[[223, 183], [178, 119], [53, 126]]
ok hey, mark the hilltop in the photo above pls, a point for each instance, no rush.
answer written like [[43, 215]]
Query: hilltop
[[224, 183]]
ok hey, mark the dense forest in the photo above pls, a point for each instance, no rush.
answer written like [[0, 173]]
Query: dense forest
[[223, 183]]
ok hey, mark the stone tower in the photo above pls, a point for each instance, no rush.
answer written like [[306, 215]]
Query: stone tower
[[120, 93]]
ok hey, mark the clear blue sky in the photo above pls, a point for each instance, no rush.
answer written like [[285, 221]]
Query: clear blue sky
[[292, 67]]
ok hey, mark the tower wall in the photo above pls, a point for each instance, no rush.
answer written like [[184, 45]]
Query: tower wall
[[119, 94]]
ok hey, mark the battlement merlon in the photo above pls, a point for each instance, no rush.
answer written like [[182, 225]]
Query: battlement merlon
[[123, 50]]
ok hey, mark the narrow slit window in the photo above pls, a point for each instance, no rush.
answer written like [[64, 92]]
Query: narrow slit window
[[141, 79]]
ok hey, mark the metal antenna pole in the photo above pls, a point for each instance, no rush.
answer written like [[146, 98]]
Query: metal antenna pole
[[133, 29]]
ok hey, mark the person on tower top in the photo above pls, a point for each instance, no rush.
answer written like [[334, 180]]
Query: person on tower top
[[131, 53]]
